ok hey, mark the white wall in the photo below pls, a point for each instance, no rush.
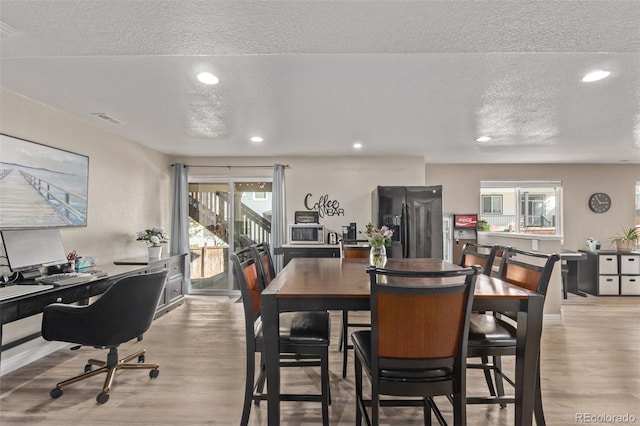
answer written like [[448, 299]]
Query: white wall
[[461, 189], [129, 190], [348, 180]]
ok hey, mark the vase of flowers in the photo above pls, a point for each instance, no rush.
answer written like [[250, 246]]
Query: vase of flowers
[[379, 239], [154, 238]]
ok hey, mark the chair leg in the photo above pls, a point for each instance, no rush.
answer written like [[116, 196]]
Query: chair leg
[[426, 408], [459, 409], [344, 342], [326, 392], [248, 387], [537, 407], [358, 380], [343, 327], [487, 375], [497, 362]]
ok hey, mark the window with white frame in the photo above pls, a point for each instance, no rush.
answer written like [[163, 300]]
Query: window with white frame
[[532, 207]]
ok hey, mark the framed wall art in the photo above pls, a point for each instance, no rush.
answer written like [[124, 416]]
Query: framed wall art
[[41, 186]]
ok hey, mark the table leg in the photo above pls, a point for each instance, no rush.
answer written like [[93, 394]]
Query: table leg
[[572, 278], [270, 330], [527, 350]]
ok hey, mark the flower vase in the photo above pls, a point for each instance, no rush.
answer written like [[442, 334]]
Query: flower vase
[[378, 256], [155, 252]]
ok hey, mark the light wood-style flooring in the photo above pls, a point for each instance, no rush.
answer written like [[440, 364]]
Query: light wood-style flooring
[[590, 364]]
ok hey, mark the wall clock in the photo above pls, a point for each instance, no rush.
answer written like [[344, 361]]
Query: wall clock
[[599, 202]]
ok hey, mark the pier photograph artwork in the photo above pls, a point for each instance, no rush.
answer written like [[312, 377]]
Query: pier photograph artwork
[[41, 186]]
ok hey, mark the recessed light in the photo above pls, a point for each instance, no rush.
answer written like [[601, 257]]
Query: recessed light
[[483, 139], [595, 76], [207, 78], [256, 139], [357, 145]]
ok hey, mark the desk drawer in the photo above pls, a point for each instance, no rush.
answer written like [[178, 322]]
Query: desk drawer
[[608, 285], [176, 267], [630, 285], [173, 289]]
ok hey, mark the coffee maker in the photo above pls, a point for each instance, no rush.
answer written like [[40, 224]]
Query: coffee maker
[[349, 232]]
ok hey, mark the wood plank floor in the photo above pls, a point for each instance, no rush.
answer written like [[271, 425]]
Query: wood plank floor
[[591, 364]]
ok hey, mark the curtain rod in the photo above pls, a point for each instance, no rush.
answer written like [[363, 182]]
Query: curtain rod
[[286, 166]]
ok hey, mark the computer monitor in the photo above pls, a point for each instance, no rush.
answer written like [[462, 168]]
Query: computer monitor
[[27, 250]]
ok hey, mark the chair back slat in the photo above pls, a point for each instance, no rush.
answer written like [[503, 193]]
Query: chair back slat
[[350, 249], [527, 269], [479, 254], [419, 326], [420, 316]]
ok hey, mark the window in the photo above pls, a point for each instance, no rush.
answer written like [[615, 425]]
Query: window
[[530, 207], [259, 195], [492, 204]]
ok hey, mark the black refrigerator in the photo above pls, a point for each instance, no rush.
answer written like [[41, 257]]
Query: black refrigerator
[[415, 215]]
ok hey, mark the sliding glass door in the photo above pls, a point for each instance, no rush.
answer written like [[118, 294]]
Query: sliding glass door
[[224, 216]]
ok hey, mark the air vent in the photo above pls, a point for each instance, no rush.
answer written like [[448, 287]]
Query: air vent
[[106, 117], [6, 30]]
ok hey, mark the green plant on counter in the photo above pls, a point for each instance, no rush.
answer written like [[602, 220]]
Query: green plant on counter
[[626, 238]]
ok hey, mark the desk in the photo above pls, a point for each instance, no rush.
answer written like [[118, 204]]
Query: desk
[[572, 258], [333, 284], [30, 304]]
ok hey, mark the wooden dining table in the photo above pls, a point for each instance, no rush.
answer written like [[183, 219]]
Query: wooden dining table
[[308, 284]]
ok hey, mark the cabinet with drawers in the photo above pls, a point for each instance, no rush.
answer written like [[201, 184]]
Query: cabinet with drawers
[[611, 273], [173, 294]]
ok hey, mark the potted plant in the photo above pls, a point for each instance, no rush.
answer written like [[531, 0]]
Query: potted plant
[[626, 239], [153, 237]]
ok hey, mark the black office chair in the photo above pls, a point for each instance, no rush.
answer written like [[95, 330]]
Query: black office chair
[[417, 345], [304, 338], [494, 336], [122, 313], [349, 250]]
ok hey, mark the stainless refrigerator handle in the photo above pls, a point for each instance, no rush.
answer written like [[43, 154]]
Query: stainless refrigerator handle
[[405, 230]]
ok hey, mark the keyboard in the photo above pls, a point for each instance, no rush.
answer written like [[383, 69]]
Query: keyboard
[[68, 278], [11, 291]]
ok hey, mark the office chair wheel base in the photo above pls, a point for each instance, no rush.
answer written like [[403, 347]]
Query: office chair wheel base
[[141, 359], [102, 397], [55, 393], [87, 368], [154, 373]]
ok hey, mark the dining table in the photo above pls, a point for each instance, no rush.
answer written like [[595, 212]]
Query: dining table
[[310, 284]]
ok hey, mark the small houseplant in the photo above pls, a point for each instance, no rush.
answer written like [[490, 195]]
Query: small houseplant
[[626, 239], [378, 238], [153, 238]]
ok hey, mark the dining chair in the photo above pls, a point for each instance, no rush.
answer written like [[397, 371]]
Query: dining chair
[[304, 338], [262, 254], [349, 250], [417, 345], [479, 254], [494, 335]]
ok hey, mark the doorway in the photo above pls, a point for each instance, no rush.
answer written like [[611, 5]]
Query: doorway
[[225, 216]]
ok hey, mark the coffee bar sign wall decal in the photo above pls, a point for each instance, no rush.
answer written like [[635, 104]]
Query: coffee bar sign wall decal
[[324, 206]]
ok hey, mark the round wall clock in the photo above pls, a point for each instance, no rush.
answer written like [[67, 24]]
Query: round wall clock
[[599, 202]]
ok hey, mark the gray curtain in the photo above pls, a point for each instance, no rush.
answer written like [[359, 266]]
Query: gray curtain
[[277, 215], [180, 218]]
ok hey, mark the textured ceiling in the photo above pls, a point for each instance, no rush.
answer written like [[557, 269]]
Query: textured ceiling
[[312, 77]]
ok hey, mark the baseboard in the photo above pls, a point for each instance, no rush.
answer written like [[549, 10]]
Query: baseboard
[[19, 357]]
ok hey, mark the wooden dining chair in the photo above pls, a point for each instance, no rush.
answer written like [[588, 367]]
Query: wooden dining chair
[[494, 335], [262, 254], [349, 250], [479, 254], [304, 338], [417, 346]]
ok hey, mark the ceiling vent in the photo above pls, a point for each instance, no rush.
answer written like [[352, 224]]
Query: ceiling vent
[[106, 117], [6, 30]]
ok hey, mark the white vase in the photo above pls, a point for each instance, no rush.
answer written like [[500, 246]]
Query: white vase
[[378, 256], [155, 252]]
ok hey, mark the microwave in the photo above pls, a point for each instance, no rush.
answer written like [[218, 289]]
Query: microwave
[[306, 233]]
